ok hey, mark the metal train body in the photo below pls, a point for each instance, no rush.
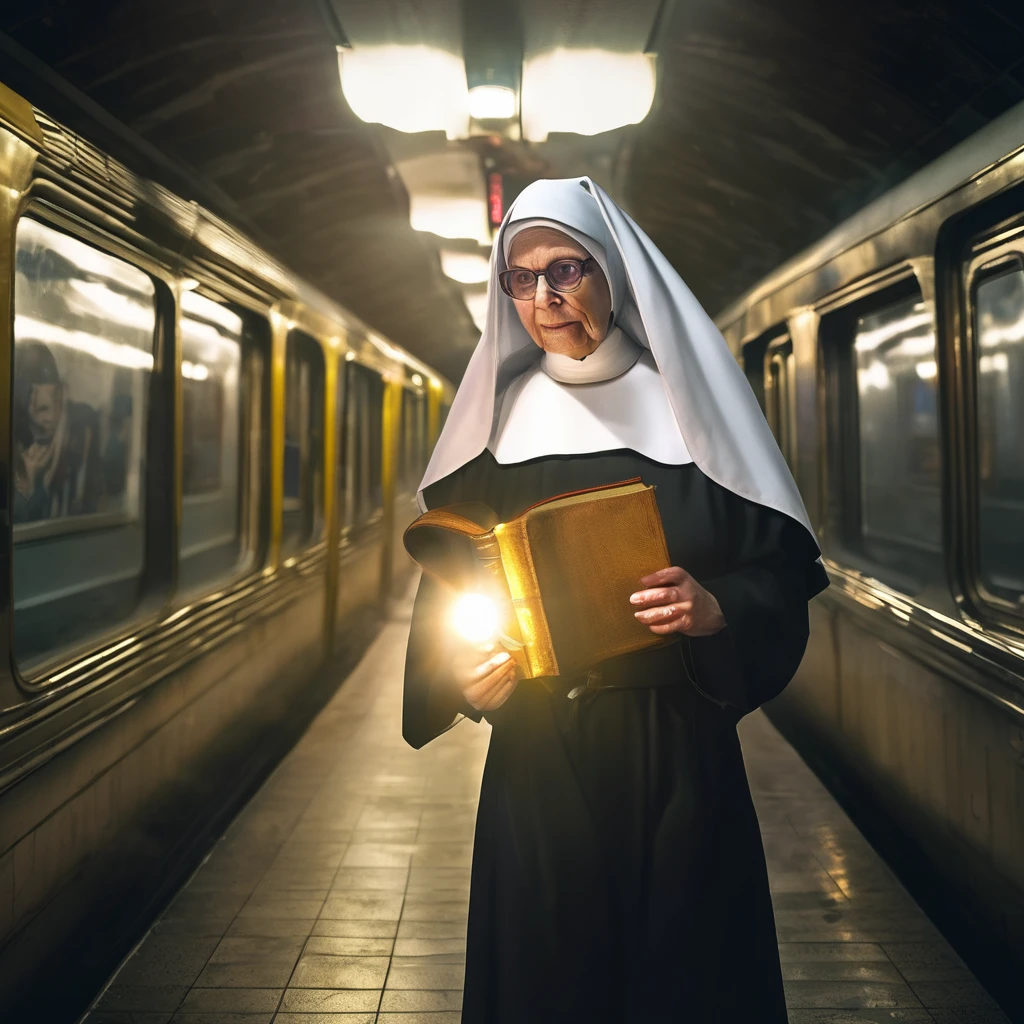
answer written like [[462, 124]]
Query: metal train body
[[236, 458], [888, 363]]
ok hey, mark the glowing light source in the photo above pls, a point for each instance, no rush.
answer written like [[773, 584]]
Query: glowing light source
[[450, 216], [475, 618], [869, 340], [927, 370], [608, 90], [492, 103], [189, 284], [993, 336], [996, 362], [417, 379], [349, 356], [194, 371], [206, 309], [875, 376], [446, 194], [914, 345], [465, 267], [409, 88], [27, 328]]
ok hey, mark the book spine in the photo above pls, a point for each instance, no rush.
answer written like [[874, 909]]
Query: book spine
[[524, 589]]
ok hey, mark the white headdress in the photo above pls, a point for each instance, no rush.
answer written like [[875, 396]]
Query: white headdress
[[716, 412]]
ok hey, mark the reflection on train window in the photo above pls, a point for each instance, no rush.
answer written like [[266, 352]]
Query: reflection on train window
[[885, 503], [364, 446], [83, 356], [779, 393], [999, 365], [211, 363], [303, 443]]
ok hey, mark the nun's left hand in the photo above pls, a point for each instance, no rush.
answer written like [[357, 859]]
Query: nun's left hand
[[676, 603]]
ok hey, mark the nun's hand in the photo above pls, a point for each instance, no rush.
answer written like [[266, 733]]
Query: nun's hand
[[486, 682], [674, 602]]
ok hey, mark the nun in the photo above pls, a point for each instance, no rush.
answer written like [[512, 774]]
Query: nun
[[618, 873]]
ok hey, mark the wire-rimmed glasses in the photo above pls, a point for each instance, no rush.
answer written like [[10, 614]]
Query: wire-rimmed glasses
[[564, 275]]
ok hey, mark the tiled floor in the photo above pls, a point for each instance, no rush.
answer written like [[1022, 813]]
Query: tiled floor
[[340, 893]]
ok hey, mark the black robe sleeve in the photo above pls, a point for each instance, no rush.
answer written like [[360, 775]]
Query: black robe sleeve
[[764, 601], [432, 702]]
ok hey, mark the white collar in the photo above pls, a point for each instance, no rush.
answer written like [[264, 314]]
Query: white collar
[[613, 357], [541, 416]]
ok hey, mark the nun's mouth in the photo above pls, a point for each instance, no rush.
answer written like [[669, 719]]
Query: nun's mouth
[[559, 327]]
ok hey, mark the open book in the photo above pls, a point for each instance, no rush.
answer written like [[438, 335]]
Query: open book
[[561, 572]]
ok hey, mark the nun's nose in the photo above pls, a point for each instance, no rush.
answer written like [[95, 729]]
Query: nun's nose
[[544, 295]]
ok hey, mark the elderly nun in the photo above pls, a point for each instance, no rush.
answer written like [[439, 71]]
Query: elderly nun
[[618, 873]]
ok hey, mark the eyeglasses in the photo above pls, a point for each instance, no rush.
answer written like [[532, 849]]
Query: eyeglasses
[[562, 276]]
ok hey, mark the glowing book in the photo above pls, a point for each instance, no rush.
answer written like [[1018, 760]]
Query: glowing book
[[560, 573]]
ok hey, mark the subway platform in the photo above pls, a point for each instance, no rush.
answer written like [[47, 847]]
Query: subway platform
[[340, 893]]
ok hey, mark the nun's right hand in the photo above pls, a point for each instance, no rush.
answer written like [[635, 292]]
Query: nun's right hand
[[486, 684]]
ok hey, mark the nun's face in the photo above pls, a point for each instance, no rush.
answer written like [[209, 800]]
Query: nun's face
[[566, 323]]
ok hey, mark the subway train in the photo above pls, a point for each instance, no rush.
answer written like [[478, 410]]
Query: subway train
[[206, 469], [889, 362]]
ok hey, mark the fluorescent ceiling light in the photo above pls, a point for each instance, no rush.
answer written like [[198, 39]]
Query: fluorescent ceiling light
[[28, 328], [585, 91], [465, 267], [869, 340], [875, 376], [450, 216], [492, 103], [447, 195], [409, 88], [476, 303]]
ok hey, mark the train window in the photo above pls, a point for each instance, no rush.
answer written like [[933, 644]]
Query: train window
[[342, 484], [884, 507], [364, 445], [999, 374], [414, 413], [780, 395], [753, 365], [84, 330], [212, 455], [303, 443]]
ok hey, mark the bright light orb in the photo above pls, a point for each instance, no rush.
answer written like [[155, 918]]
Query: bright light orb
[[620, 89], [492, 103], [475, 618], [409, 88]]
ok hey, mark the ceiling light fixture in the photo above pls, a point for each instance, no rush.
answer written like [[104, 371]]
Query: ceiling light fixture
[[408, 88], [450, 216], [619, 91], [446, 194], [465, 267], [492, 103]]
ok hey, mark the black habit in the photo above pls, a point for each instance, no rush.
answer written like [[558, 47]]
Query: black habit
[[618, 873]]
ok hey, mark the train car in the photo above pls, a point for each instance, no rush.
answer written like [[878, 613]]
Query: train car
[[206, 468], [889, 361]]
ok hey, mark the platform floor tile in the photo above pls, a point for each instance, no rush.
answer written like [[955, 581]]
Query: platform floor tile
[[340, 893]]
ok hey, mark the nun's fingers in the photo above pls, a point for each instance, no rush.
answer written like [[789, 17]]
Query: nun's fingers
[[671, 576], [669, 618], [659, 596], [470, 666], [482, 693], [501, 695]]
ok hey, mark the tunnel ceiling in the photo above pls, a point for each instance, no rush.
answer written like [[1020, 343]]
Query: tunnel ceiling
[[773, 122]]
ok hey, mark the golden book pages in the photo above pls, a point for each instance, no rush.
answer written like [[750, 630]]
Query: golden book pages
[[561, 572]]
